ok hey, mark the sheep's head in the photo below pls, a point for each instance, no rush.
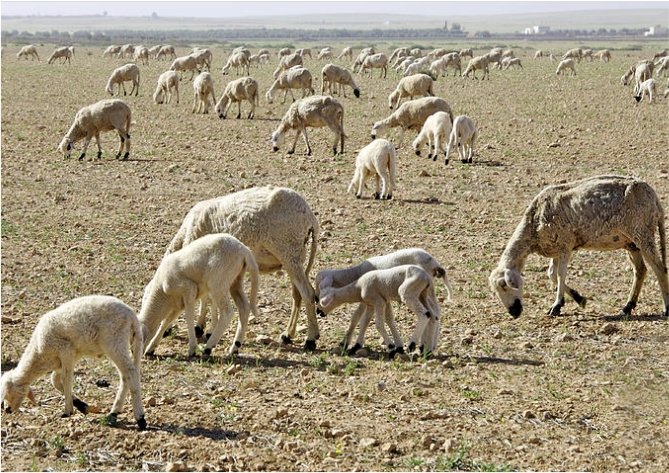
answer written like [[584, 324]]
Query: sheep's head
[[221, 106], [508, 285], [417, 145], [12, 395], [277, 140], [158, 96], [66, 146], [378, 129], [392, 99]]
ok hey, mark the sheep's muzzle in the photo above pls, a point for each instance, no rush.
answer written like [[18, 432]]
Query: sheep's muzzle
[[276, 148], [516, 309]]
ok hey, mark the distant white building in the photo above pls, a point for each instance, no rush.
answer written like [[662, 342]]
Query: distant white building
[[657, 31], [537, 30]]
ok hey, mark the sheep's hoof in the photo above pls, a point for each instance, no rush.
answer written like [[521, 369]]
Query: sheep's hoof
[[320, 312], [352, 351], [222, 117], [446, 162], [389, 197], [141, 423], [377, 196], [555, 310], [126, 156], [292, 151], [81, 158], [65, 415], [310, 345], [434, 158], [206, 354], [169, 332], [285, 339], [99, 154], [80, 405], [627, 310], [112, 419], [579, 299], [275, 149], [412, 347], [417, 152], [357, 196]]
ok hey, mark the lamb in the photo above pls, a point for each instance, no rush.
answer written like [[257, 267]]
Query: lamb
[[411, 115], [375, 61], [141, 53], [154, 50], [375, 290], [287, 62], [647, 87], [463, 136], [662, 65], [166, 51], [513, 61], [112, 50], [325, 53], [565, 65], [89, 326], [602, 213], [63, 53], [237, 60], [439, 66], [316, 111], [120, 75], [347, 52], [576, 53], [477, 63], [643, 71], [238, 90], [377, 160], [296, 77], [603, 55], [467, 52], [28, 50], [167, 81], [333, 74], [203, 88], [304, 52], [105, 115], [203, 58], [214, 265], [126, 50], [435, 133], [185, 63], [276, 223], [412, 86]]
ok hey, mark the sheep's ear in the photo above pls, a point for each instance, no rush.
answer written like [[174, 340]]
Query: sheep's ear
[[31, 396], [513, 278], [326, 282], [326, 300]]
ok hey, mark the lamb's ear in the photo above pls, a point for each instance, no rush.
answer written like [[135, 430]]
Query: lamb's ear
[[513, 278], [326, 300], [31, 396], [326, 282]]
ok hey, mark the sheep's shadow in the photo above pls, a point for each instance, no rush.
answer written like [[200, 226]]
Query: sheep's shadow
[[214, 434], [631, 318], [493, 163]]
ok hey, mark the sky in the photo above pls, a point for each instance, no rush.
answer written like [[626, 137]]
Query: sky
[[269, 8]]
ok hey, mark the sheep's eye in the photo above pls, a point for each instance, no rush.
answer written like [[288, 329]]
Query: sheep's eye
[[502, 283], [69, 146]]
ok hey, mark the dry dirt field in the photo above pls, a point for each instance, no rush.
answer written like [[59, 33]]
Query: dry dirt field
[[587, 390]]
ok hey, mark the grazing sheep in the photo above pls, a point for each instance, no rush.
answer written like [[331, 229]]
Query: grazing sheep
[[185, 63], [566, 65], [643, 71], [375, 290], [276, 223], [105, 115], [399, 53], [647, 87], [120, 75], [375, 61], [127, 50], [238, 90], [435, 132], [203, 89], [600, 213], [90, 327], [359, 59], [63, 53], [603, 55], [662, 65], [167, 81], [333, 74], [304, 52], [576, 53], [283, 52], [347, 52], [141, 53], [237, 60], [214, 265], [494, 56], [166, 51], [296, 77], [377, 160], [463, 136], [287, 62], [539, 54], [439, 66], [507, 62], [437, 53], [203, 58], [626, 78], [325, 53], [588, 54], [411, 115], [154, 50], [467, 52], [28, 50], [112, 50], [660, 54], [316, 111], [477, 63], [412, 86]]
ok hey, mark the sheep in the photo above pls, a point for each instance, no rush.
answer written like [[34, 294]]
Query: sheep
[[507, 62], [412, 86], [435, 132], [589, 54], [185, 63], [399, 53], [167, 81], [346, 52], [411, 115], [28, 50], [126, 50], [463, 136], [203, 58], [466, 52], [413, 68], [494, 56], [643, 72], [662, 65], [565, 65], [447, 60], [316, 111], [304, 52], [359, 59], [325, 53], [154, 50], [105, 115], [602, 213], [576, 53], [539, 54], [264, 59], [603, 55], [63, 53], [647, 87], [112, 50], [89, 326], [203, 88], [120, 75], [236, 60], [626, 78], [276, 223], [375, 61], [333, 74], [287, 62], [283, 52], [377, 160], [375, 290], [141, 53], [477, 63], [296, 77], [238, 90], [660, 54], [166, 51], [214, 265]]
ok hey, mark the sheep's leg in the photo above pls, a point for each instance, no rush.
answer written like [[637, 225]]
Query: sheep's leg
[[67, 374], [57, 382], [200, 326], [189, 297], [384, 176], [302, 290], [244, 309], [224, 307], [561, 263], [578, 298], [650, 256], [360, 311], [306, 141], [130, 381], [639, 267], [399, 140], [397, 337], [239, 109], [380, 321]]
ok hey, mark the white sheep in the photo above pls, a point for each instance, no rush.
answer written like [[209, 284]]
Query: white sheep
[[325, 53], [600, 213], [203, 58], [359, 59], [463, 137], [576, 53], [494, 56], [662, 66], [412, 86], [283, 52], [28, 50], [105, 115], [154, 50], [478, 63], [64, 53], [435, 133], [346, 52], [466, 52], [399, 53], [141, 53], [185, 63], [304, 52], [539, 54], [411, 115], [245, 88], [316, 112], [337, 75], [90, 326], [566, 65], [603, 55], [507, 62], [647, 87], [203, 90], [167, 81], [296, 77], [375, 61], [112, 50], [287, 62], [120, 75], [375, 290], [237, 60], [166, 51], [643, 71], [214, 265], [276, 223], [377, 160], [127, 50], [439, 66]]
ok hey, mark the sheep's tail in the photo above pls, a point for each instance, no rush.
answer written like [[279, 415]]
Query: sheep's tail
[[392, 167], [137, 343], [254, 272], [314, 246]]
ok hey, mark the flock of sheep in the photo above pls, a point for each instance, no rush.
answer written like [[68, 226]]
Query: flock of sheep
[[264, 229]]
